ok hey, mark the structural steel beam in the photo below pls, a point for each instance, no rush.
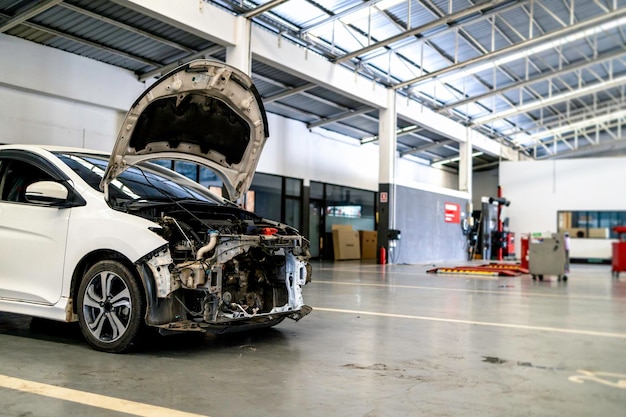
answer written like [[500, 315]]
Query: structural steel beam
[[428, 147], [129, 28], [305, 94], [541, 77], [357, 131], [342, 116], [569, 95], [88, 43], [570, 130], [561, 33], [558, 120], [444, 21], [613, 146], [28, 13], [288, 92], [338, 16], [452, 27], [263, 8]]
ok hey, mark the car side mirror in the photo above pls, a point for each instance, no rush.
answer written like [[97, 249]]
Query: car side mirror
[[46, 192]]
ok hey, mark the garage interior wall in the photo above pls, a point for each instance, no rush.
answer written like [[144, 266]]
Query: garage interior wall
[[28, 117], [538, 189], [294, 151], [51, 97]]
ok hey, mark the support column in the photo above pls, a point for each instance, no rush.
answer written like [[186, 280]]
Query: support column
[[466, 168], [466, 172], [239, 55], [465, 163], [387, 125]]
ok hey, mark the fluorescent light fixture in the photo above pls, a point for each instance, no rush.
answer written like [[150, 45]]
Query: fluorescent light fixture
[[525, 140], [535, 50], [402, 131], [369, 139], [455, 159]]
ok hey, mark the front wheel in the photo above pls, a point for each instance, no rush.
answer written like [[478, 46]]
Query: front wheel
[[110, 307]]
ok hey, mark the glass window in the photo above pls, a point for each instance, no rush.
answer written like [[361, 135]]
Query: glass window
[[199, 173], [590, 224], [267, 195], [293, 187], [17, 176], [208, 178], [167, 163], [317, 190], [136, 183], [345, 205], [188, 169], [292, 212]]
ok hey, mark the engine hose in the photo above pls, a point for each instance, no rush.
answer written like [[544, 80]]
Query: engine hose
[[203, 251]]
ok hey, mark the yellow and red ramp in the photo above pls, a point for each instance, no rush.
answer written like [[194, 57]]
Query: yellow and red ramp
[[475, 270]]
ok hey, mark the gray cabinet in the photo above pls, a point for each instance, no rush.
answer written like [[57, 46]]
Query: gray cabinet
[[549, 256]]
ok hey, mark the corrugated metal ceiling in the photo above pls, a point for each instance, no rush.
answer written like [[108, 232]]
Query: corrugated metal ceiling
[[480, 46]]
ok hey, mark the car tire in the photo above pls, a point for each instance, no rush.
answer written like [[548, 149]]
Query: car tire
[[110, 307]]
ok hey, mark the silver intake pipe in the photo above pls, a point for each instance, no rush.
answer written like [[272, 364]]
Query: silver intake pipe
[[203, 251]]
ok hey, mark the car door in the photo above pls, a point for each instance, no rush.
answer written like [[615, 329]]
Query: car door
[[32, 236]]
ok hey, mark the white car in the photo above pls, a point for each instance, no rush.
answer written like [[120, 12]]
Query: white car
[[118, 243]]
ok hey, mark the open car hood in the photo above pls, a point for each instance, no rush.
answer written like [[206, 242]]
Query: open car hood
[[205, 112]]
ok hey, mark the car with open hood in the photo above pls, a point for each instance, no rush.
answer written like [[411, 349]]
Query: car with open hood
[[120, 243]]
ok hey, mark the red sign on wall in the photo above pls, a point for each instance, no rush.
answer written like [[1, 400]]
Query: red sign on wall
[[452, 213]]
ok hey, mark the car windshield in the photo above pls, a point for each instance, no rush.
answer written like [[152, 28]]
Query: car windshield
[[145, 182]]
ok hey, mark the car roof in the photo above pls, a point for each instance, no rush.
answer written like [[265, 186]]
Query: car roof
[[53, 148]]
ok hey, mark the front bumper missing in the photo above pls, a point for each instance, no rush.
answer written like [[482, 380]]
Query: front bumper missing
[[234, 325]]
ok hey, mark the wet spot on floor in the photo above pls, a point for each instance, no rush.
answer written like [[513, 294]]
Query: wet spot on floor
[[499, 361], [492, 359], [374, 367]]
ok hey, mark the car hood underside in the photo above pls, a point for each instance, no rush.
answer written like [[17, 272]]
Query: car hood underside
[[204, 112]]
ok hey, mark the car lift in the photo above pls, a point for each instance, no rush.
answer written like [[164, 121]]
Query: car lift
[[493, 269]]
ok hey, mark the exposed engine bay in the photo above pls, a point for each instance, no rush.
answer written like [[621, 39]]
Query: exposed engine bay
[[224, 265]]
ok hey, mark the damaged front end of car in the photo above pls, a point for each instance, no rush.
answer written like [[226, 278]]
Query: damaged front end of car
[[229, 275], [223, 268]]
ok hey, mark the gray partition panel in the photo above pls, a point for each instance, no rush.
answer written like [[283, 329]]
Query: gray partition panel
[[426, 237]]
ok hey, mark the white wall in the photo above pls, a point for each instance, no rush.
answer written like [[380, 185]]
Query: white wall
[[408, 172], [538, 189], [49, 96], [27, 117], [319, 155]]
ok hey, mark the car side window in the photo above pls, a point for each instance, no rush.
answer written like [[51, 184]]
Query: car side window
[[15, 176]]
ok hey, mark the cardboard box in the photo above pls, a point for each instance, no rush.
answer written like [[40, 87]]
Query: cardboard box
[[346, 243], [369, 241], [599, 233]]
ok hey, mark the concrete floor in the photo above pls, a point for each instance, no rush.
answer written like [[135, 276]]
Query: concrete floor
[[382, 341]]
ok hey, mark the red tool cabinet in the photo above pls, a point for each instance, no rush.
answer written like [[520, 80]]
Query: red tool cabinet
[[618, 263]]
